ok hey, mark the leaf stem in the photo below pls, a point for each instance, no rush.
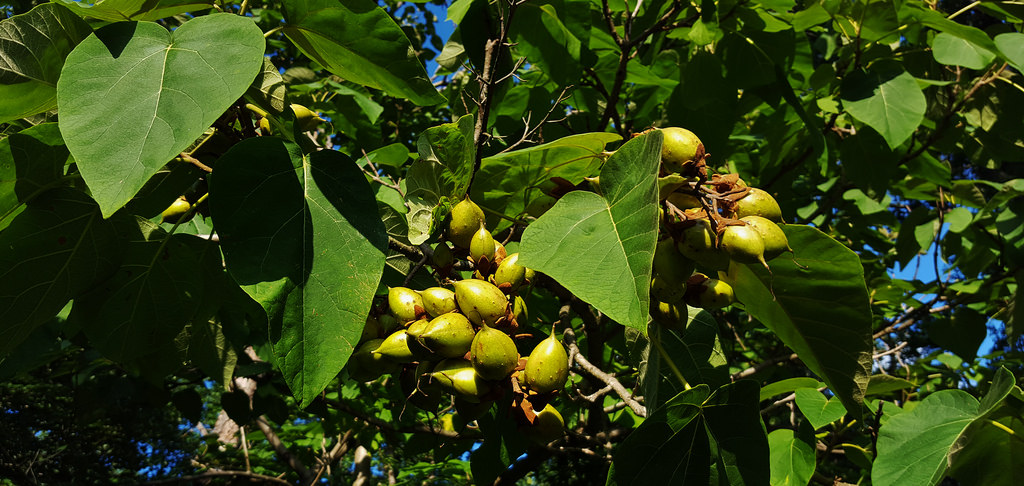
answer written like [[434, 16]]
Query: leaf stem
[[656, 340], [272, 31]]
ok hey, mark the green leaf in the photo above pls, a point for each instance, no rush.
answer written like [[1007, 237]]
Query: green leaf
[[31, 161], [508, 183], [268, 90], [792, 459], [300, 233], [882, 384], [1011, 46], [34, 47], [698, 437], [788, 385], [148, 301], [120, 10], [951, 50], [360, 42], [440, 176], [612, 236], [819, 309], [57, 248], [542, 37], [886, 98], [817, 409], [133, 95]]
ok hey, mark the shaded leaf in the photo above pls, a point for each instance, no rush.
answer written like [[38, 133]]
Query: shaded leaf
[[1011, 45], [31, 161], [119, 10], [792, 459], [886, 98], [440, 177], [818, 409], [956, 51]]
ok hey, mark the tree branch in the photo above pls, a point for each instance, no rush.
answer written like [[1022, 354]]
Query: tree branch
[[282, 451], [217, 473], [569, 339]]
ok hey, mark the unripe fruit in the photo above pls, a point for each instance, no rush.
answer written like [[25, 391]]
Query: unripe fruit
[[371, 330], [758, 203], [683, 201], [458, 376], [743, 244], [519, 311], [448, 335], [465, 221], [667, 291], [709, 293], [388, 323], [510, 274], [547, 426], [438, 300], [417, 328], [671, 265], [368, 365], [443, 255], [448, 422], [481, 246], [547, 368], [264, 125], [175, 211], [480, 301], [418, 387], [698, 244], [775, 241], [405, 304], [672, 316], [679, 148], [396, 347], [493, 354], [305, 119]]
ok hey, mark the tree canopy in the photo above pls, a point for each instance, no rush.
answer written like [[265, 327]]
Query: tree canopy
[[460, 242]]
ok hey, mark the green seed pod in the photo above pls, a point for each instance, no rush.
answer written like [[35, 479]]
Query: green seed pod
[[175, 211], [758, 203], [667, 291], [448, 335], [519, 310], [671, 316], [417, 328], [443, 255], [493, 354], [671, 265], [458, 376], [396, 347], [388, 323], [698, 244], [481, 246], [775, 241], [466, 220], [547, 368], [480, 301], [708, 293], [305, 119], [372, 329], [683, 200], [547, 426], [438, 300], [679, 148], [510, 275], [368, 365], [743, 244], [405, 304]]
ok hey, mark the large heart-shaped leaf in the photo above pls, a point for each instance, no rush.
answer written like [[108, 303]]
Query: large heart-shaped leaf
[[56, 248], [818, 306], [300, 233], [698, 437], [360, 42], [886, 98], [601, 247], [508, 183], [133, 95], [119, 10], [34, 46], [792, 459]]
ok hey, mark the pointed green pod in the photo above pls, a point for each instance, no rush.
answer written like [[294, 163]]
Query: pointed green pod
[[672, 316], [519, 311], [481, 246], [743, 244], [480, 301], [671, 265], [388, 323], [458, 376], [698, 244], [417, 327], [758, 203], [368, 365], [547, 368], [667, 290], [403, 303], [510, 275], [442, 256], [371, 330], [775, 241], [396, 347], [466, 220], [438, 300], [679, 148], [493, 354], [547, 426], [448, 335], [708, 293]]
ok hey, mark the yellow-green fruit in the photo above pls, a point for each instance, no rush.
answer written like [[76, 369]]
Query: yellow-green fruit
[[417, 328], [458, 376], [443, 255], [698, 244], [683, 200], [743, 244], [465, 221], [679, 147], [547, 368], [403, 303], [758, 203], [396, 347], [448, 422], [368, 365], [519, 310], [481, 246], [438, 300], [305, 119], [448, 335], [493, 354], [175, 211], [480, 301], [709, 293], [672, 316], [510, 275], [671, 265], [371, 330], [666, 290], [775, 241], [547, 426]]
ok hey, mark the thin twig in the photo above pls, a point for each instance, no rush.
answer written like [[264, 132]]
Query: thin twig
[[217, 473], [194, 161], [569, 339]]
